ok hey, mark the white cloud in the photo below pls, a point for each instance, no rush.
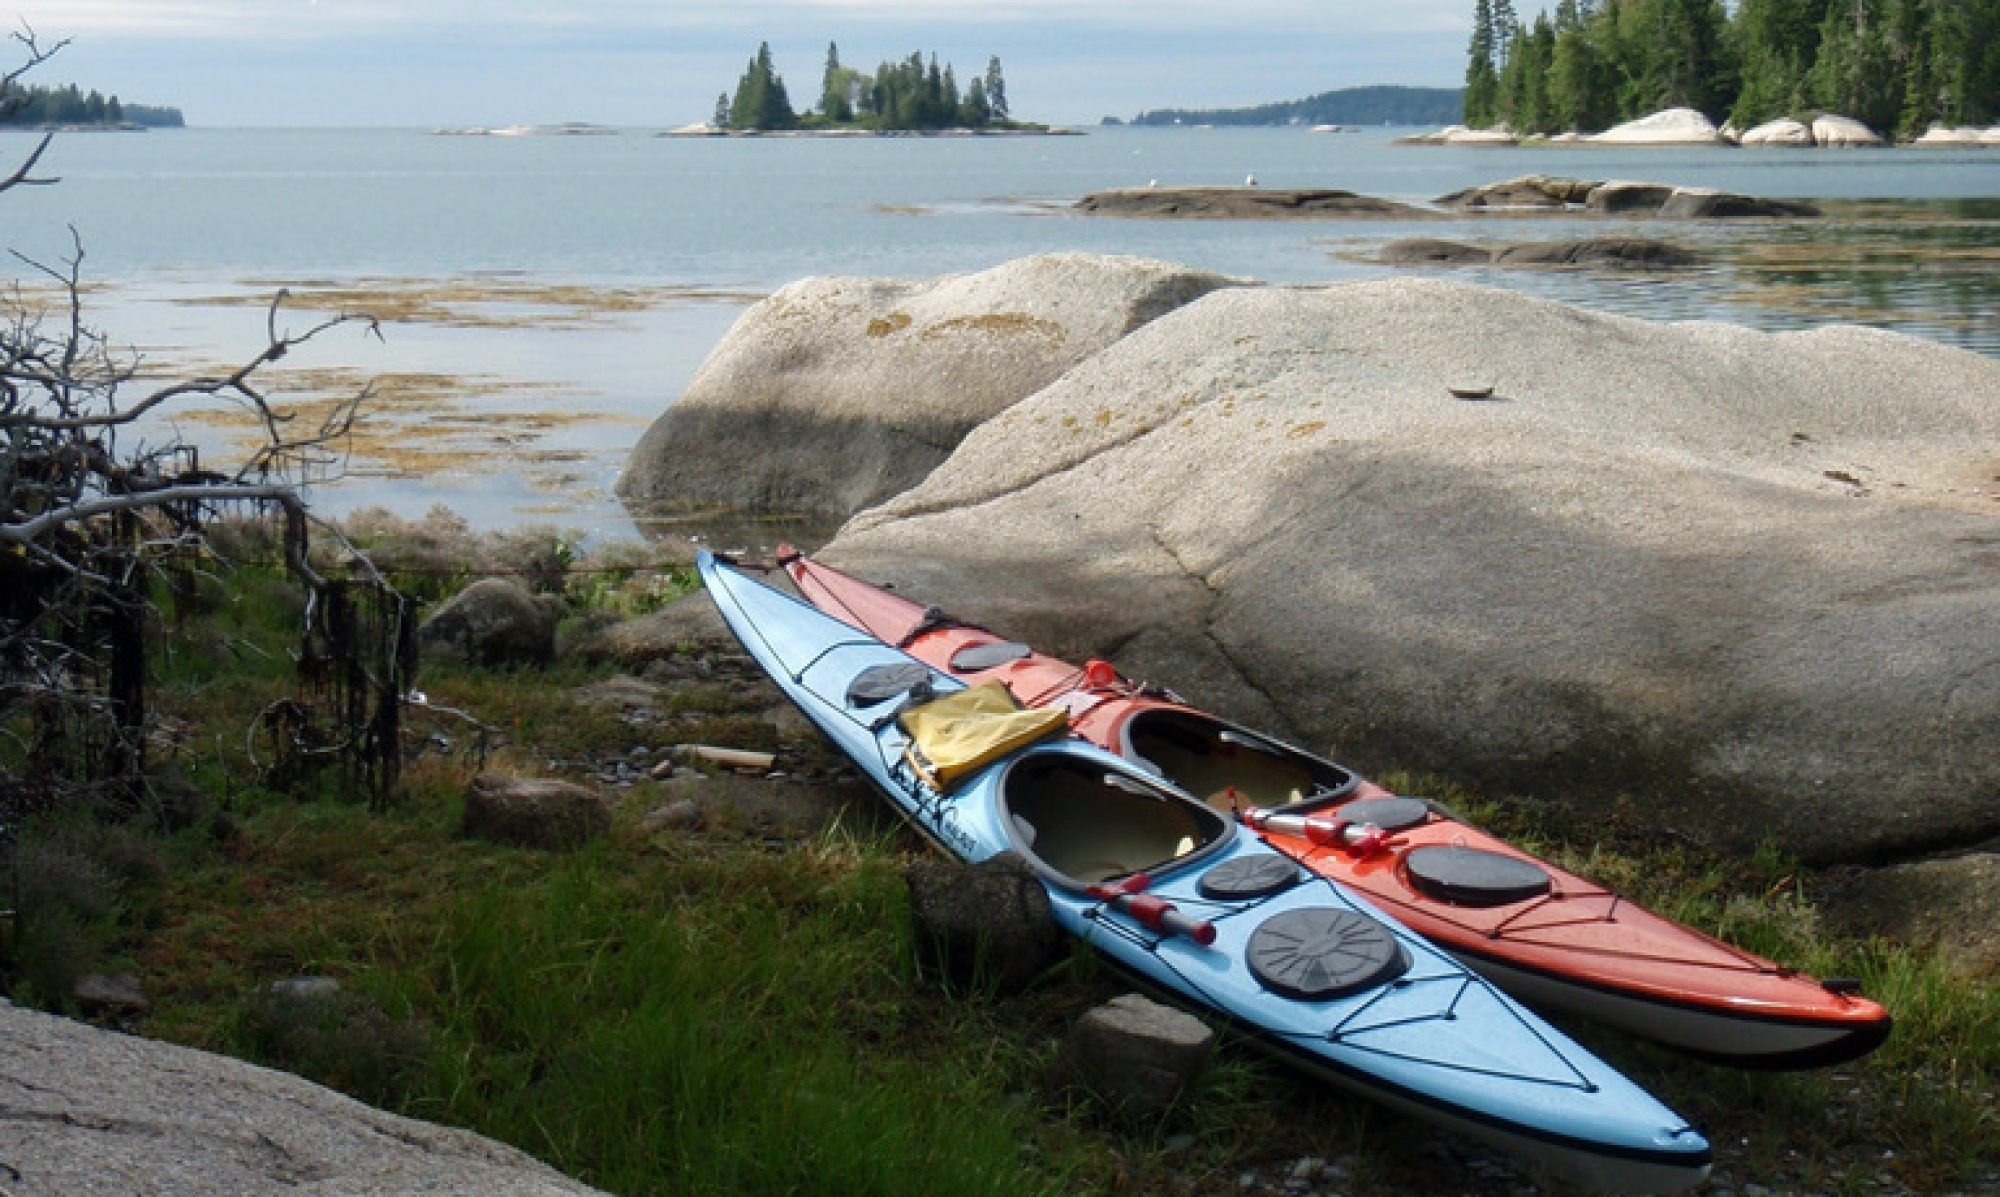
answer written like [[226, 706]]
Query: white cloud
[[253, 19]]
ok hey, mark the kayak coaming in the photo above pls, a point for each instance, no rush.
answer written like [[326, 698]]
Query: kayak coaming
[[1601, 956], [1512, 1079]]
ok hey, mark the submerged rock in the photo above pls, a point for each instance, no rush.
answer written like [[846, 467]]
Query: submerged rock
[[1428, 251], [839, 392], [1640, 575], [1613, 253]]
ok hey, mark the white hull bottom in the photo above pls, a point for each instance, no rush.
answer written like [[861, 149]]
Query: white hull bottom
[[1714, 1034]]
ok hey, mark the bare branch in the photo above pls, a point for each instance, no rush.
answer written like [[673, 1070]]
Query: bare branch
[[23, 174]]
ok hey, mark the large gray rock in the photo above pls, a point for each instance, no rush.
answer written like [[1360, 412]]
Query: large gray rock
[[839, 392], [1748, 579], [85, 1112]]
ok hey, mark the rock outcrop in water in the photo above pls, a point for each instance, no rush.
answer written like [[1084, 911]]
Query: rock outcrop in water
[[1618, 197], [1246, 203], [91, 1113], [836, 393], [1746, 581]]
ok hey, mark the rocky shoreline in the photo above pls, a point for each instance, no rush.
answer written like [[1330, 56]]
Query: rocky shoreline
[[1685, 127]]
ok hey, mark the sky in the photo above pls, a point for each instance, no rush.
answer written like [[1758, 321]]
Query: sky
[[659, 63]]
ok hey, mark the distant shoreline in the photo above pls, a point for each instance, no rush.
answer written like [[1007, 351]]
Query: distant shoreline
[[711, 131], [578, 129]]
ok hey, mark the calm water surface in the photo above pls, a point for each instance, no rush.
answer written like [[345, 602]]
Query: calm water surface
[[172, 217]]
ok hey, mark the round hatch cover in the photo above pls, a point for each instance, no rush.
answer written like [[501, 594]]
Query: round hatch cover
[[1473, 877], [1254, 876], [974, 658], [1390, 814], [1318, 953], [879, 683]]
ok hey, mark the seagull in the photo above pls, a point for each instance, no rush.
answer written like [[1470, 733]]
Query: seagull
[[1152, 182], [1249, 180]]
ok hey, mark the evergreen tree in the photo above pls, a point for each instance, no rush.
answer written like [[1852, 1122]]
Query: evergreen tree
[[996, 90], [761, 102], [835, 86], [1853, 74], [975, 113], [1482, 83], [721, 118]]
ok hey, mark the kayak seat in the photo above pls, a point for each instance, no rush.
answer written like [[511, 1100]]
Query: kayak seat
[[1090, 824], [1205, 756]]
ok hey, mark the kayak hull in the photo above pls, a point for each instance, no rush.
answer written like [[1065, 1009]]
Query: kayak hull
[[1572, 946], [1426, 1036]]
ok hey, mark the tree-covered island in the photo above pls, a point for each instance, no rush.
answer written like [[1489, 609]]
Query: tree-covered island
[[1895, 65], [913, 95], [71, 106]]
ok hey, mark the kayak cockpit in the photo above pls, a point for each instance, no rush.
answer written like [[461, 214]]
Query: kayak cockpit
[[1088, 822], [1222, 763]]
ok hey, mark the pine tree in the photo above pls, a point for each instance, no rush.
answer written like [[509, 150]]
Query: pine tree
[[834, 87], [996, 90], [1481, 81], [975, 112], [721, 118], [761, 102]]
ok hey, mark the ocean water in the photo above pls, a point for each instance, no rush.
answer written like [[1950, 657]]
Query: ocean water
[[182, 229]]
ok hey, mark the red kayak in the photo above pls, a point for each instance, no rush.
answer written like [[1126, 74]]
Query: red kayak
[[1547, 935]]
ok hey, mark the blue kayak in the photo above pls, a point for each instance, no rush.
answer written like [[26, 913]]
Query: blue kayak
[[1206, 913]]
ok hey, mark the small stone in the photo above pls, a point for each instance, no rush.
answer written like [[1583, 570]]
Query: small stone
[[1137, 1055], [102, 993], [1307, 1168]]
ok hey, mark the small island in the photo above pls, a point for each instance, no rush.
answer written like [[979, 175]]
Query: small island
[[913, 96], [70, 107]]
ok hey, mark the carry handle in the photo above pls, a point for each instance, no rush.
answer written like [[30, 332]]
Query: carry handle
[[1127, 894]]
